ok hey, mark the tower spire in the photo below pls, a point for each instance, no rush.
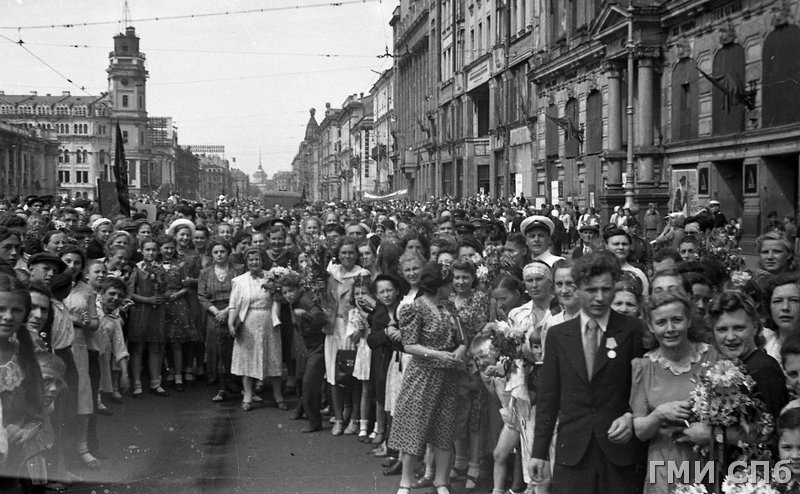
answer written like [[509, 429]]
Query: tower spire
[[126, 14], [259, 157]]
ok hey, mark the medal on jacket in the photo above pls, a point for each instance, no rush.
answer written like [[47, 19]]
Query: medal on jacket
[[611, 344]]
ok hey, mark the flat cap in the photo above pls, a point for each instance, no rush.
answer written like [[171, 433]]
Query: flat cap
[[47, 257]]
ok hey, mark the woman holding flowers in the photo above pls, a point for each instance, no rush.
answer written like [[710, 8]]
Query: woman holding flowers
[[662, 382], [735, 324], [256, 347]]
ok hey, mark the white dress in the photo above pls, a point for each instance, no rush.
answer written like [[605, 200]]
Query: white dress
[[340, 285], [357, 323], [400, 360], [257, 346]]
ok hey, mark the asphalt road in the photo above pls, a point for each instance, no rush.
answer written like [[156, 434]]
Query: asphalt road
[[187, 444]]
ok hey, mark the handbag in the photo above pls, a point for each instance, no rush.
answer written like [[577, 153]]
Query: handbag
[[345, 363]]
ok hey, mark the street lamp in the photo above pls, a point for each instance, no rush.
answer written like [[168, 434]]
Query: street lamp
[[629, 169]]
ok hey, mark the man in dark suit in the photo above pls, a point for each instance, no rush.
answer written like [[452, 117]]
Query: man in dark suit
[[585, 388], [589, 241]]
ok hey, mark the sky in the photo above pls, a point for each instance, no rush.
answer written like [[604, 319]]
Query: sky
[[245, 81]]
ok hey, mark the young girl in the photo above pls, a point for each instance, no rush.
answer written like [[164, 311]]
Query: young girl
[[363, 300], [146, 320], [789, 448], [178, 322]]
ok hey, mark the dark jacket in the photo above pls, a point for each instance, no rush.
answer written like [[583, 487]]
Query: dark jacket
[[311, 324], [584, 406]]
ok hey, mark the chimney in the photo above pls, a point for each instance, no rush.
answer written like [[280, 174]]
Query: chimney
[[64, 93]]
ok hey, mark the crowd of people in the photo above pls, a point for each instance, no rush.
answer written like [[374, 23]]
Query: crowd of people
[[508, 347]]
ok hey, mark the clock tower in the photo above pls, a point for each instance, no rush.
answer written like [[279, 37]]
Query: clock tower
[[127, 83]]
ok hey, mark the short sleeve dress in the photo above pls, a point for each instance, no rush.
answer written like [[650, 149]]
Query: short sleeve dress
[[146, 321], [425, 412], [656, 381]]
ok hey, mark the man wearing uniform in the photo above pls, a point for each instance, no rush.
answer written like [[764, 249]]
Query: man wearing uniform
[[537, 230]]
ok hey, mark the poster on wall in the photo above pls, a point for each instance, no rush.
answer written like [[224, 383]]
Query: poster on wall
[[554, 186], [683, 184], [517, 183]]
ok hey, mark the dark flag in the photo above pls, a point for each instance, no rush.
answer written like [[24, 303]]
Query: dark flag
[[569, 128], [121, 175]]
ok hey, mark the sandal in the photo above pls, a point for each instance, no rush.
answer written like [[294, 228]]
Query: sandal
[[220, 396], [282, 405], [247, 406], [89, 461], [137, 391], [257, 399], [403, 490], [458, 473], [442, 489]]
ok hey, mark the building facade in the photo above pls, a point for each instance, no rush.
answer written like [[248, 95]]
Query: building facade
[[187, 174], [214, 175], [387, 178], [28, 161], [83, 127], [240, 183], [305, 165], [331, 179], [516, 96]]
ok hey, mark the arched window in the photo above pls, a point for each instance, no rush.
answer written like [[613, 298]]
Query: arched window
[[102, 157], [781, 87], [727, 108], [684, 100], [66, 156], [85, 156], [593, 138], [78, 156], [572, 147], [60, 155]]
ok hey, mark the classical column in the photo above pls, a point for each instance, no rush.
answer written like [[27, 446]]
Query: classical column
[[614, 127], [644, 121]]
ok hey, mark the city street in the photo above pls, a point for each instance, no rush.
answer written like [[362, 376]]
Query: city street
[[187, 444]]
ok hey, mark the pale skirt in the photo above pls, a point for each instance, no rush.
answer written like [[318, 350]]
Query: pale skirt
[[334, 342], [249, 352], [394, 379], [80, 354], [363, 360]]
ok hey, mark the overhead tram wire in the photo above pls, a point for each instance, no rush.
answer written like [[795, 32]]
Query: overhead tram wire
[[21, 44], [218, 52], [193, 16]]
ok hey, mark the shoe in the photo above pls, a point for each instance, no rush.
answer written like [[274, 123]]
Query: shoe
[[189, 378], [389, 461], [257, 399], [180, 387], [352, 428], [116, 397], [310, 428], [363, 437], [103, 410], [159, 391], [395, 469], [247, 406], [220, 396], [170, 378], [137, 392], [338, 428], [442, 489], [422, 483], [403, 490], [89, 461], [325, 411], [458, 473], [297, 414], [282, 405], [378, 439]]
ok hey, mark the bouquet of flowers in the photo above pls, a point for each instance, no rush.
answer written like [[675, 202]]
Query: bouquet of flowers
[[313, 262], [508, 342], [723, 250], [741, 482], [723, 398], [273, 276], [491, 264]]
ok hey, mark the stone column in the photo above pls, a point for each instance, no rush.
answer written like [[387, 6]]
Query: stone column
[[644, 120], [614, 127]]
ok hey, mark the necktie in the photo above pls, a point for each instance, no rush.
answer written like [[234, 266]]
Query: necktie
[[590, 334]]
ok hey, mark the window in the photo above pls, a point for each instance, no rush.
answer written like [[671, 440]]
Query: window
[[125, 136], [60, 155], [141, 102], [781, 71], [366, 170], [685, 102], [78, 157], [66, 156], [124, 100], [594, 123], [571, 144], [85, 156], [63, 176]]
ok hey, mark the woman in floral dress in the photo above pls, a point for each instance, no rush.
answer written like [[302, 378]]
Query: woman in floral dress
[[425, 413], [190, 254]]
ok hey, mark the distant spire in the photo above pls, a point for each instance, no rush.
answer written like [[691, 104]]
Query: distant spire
[[126, 14], [259, 157]]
